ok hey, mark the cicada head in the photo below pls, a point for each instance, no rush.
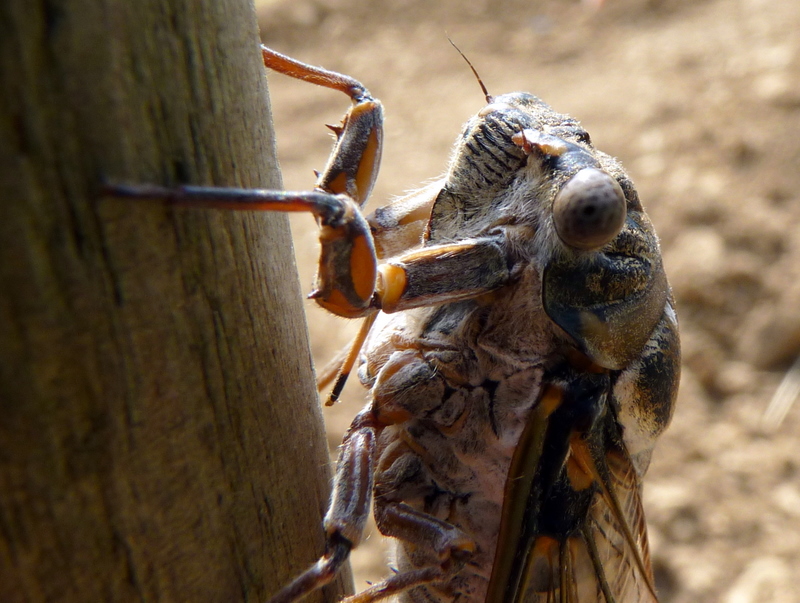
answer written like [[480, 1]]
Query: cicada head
[[518, 161]]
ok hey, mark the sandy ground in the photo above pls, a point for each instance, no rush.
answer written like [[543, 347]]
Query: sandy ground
[[700, 99]]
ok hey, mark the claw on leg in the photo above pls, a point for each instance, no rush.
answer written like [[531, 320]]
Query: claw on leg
[[318, 575], [350, 359], [347, 513], [314, 75]]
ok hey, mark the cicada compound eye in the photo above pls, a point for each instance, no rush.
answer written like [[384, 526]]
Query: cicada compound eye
[[589, 210]]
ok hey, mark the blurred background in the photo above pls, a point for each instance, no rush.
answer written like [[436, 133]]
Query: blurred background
[[700, 99]]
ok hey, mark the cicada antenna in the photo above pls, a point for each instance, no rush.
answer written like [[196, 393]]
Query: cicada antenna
[[489, 97]]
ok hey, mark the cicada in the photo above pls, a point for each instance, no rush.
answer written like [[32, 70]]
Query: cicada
[[520, 347]]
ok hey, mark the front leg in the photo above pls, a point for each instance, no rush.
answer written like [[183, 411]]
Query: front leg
[[355, 159], [443, 273], [347, 272]]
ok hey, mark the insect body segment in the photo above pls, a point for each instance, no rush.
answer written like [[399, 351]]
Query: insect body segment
[[520, 349]]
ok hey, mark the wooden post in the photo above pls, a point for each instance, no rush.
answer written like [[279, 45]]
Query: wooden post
[[160, 437]]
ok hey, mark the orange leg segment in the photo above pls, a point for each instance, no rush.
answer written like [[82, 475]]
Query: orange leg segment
[[355, 159]]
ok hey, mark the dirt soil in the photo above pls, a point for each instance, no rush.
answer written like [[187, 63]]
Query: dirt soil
[[700, 99]]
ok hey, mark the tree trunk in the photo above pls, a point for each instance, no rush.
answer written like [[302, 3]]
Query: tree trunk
[[160, 437]]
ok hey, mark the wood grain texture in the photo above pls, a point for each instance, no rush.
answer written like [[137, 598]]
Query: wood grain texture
[[160, 437]]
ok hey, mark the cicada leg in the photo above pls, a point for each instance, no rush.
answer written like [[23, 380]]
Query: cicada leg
[[347, 514], [395, 585], [348, 511], [347, 267], [399, 520], [355, 159]]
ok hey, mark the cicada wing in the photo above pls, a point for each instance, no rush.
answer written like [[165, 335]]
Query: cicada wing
[[616, 531], [607, 560], [573, 526]]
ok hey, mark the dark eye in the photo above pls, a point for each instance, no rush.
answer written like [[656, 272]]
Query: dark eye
[[589, 210]]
